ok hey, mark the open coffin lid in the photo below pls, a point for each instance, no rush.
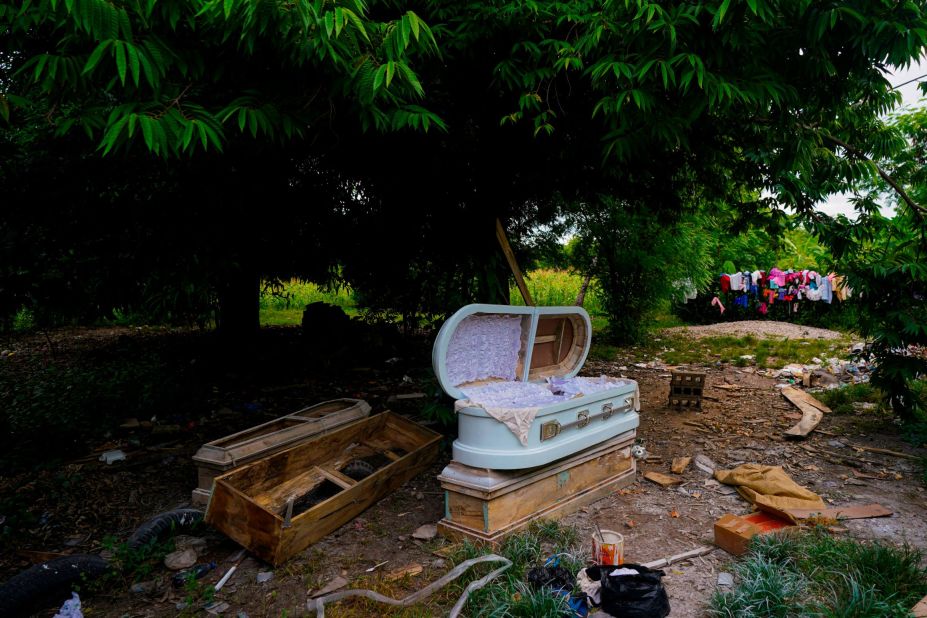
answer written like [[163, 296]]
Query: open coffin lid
[[485, 344]]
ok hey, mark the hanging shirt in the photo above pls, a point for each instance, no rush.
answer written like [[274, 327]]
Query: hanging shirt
[[826, 290], [737, 282], [725, 283], [777, 276]]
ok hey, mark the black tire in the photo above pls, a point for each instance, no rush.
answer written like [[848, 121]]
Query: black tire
[[48, 584], [357, 469], [159, 524]]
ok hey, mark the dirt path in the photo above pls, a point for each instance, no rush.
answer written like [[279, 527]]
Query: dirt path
[[742, 422], [756, 328]]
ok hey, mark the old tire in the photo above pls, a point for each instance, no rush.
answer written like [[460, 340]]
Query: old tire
[[357, 469], [48, 584], [159, 524]]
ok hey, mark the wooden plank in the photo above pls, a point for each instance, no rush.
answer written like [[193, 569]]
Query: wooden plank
[[245, 522], [796, 395], [865, 511], [501, 481], [274, 499], [336, 477], [266, 473], [606, 487], [517, 503], [326, 517], [812, 412], [466, 511], [884, 451], [663, 480], [233, 511], [680, 464], [513, 263]]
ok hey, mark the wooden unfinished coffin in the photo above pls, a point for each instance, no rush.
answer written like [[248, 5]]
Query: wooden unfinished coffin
[[485, 505], [282, 503], [220, 456]]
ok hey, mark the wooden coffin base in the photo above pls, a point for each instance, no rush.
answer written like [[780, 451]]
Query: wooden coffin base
[[485, 506]]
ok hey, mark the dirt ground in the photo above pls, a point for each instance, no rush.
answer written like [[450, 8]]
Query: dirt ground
[[756, 328], [742, 420]]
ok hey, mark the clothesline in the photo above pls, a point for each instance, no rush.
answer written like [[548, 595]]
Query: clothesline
[[763, 289]]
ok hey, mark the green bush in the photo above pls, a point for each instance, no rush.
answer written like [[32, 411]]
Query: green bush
[[64, 405]]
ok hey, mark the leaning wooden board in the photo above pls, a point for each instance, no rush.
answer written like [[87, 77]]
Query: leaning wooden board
[[249, 503]]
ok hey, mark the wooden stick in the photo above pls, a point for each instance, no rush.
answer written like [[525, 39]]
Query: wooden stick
[[884, 451], [513, 264], [692, 553]]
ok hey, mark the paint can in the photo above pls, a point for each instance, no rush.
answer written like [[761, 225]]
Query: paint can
[[609, 549]]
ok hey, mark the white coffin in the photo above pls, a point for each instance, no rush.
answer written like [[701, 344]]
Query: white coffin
[[506, 364]]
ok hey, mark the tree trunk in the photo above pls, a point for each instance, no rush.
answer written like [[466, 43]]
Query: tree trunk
[[581, 297], [239, 305]]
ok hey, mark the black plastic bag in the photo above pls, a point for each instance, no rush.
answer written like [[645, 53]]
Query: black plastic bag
[[632, 596]]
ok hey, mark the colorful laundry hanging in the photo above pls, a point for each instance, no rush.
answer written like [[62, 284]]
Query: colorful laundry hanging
[[762, 289]]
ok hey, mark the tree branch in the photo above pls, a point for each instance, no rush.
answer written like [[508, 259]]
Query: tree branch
[[882, 173]]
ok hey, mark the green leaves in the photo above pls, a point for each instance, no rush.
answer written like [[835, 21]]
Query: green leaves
[[125, 57]]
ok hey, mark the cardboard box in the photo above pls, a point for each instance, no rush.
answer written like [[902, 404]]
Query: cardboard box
[[733, 532]]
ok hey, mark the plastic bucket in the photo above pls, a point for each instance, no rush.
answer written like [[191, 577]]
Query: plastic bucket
[[609, 549]]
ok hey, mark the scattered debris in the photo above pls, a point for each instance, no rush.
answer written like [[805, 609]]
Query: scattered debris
[[407, 571], [318, 604], [113, 456], [71, 608], [147, 588], [264, 576], [884, 451], [706, 465], [217, 607], [733, 532], [184, 541], [426, 532], [376, 566], [236, 559], [335, 584], [812, 412], [197, 572], [866, 511], [663, 480], [725, 580], [680, 464], [181, 559], [769, 488], [692, 553]]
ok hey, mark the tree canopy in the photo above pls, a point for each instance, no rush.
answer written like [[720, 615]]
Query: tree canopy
[[196, 147]]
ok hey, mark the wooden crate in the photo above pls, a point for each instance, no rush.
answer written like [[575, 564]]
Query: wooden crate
[[686, 389], [220, 456], [487, 505], [258, 505]]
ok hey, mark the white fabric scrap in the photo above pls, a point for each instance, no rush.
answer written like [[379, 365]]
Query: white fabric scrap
[[71, 608], [623, 571], [593, 589]]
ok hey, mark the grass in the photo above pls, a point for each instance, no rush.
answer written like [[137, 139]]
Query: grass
[[811, 573], [283, 305], [765, 352], [550, 288], [841, 400], [506, 596]]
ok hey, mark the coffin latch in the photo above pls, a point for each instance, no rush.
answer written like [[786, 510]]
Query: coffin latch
[[550, 429]]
